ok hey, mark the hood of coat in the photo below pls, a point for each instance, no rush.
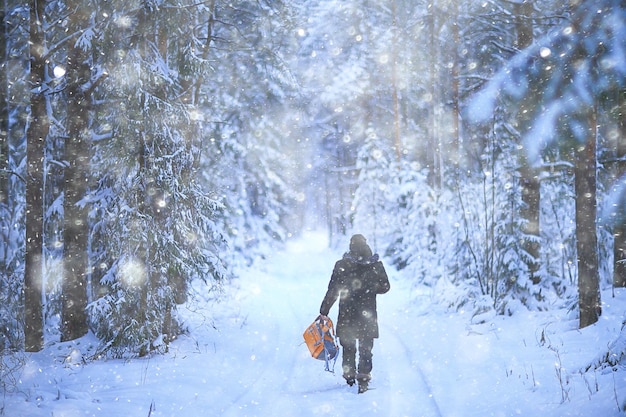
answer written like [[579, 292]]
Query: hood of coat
[[359, 259]]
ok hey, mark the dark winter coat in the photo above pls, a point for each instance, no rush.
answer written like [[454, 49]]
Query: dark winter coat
[[356, 280]]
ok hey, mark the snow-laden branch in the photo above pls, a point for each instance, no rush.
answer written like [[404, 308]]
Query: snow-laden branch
[[9, 173], [560, 75]]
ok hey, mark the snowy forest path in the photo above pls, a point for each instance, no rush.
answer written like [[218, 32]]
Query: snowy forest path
[[279, 300], [244, 356], [407, 387]]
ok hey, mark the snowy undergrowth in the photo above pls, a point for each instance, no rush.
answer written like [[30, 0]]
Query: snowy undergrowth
[[243, 356]]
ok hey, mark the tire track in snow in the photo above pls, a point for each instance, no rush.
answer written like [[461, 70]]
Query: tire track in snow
[[286, 381], [409, 391], [259, 325], [248, 394], [275, 326]]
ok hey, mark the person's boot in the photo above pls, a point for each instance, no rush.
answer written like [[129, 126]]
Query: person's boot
[[363, 380], [350, 380], [362, 387]]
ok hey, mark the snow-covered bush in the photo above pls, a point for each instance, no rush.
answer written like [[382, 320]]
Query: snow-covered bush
[[558, 267], [11, 315], [478, 215], [614, 357], [373, 214], [488, 253]]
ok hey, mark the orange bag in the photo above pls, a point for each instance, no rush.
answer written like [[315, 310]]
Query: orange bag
[[320, 339]]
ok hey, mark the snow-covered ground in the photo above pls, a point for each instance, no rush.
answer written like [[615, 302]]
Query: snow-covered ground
[[244, 356]]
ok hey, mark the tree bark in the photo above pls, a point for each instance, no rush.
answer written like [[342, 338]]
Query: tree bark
[[433, 149], [397, 141], [529, 176], [531, 197], [4, 113], [36, 134], [455, 134], [586, 232], [619, 231], [76, 226]]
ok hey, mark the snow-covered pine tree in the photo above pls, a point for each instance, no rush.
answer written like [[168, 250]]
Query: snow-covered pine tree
[[413, 228], [8, 312], [557, 267], [354, 79], [373, 210], [489, 256], [156, 225], [251, 152], [12, 216], [571, 69]]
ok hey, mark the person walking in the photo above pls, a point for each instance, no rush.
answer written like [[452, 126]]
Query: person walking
[[356, 280]]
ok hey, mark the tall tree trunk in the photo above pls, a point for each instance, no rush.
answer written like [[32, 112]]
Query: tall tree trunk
[[529, 176], [455, 134], [586, 232], [433, 149], [397, 142], [619, 231], [145, 32], [76, 227], [4, 112], [36, 134]]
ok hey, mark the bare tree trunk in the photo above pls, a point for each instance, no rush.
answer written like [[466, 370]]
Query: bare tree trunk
[[4, 112], [394, 83], [455, 134], [76, 226], [205, 50], [433, 157], [529, 177], [619, 231], [586, 232], [38, 127]]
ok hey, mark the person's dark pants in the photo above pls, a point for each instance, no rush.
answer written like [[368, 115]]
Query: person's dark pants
[[350, 371]]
